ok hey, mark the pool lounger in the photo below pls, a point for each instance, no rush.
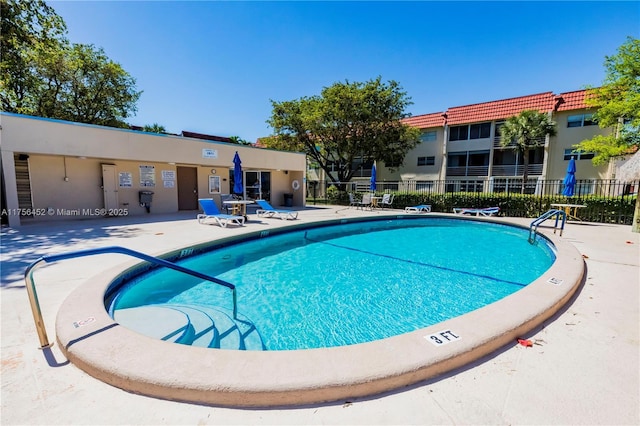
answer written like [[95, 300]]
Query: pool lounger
[[422, 208], [211, 212], [267, 210], [489, 211]]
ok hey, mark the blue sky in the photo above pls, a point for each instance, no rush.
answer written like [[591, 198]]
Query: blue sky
[[213, 67]]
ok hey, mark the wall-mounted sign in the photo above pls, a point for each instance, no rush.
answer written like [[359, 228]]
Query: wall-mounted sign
[[209, 153], [168, 175], [214, 184], [169, 183], [125, 179], [147, 176]]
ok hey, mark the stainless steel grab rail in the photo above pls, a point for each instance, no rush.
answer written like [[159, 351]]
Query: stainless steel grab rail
[[559, 215], [33, 296]]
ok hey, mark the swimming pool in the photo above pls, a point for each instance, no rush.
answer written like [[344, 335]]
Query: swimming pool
[[148, 366], [334, 285]]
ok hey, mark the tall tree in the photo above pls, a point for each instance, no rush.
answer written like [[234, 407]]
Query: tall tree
[[526, 131], [44, 75], [346, 121], [28, 29], [618, 105]]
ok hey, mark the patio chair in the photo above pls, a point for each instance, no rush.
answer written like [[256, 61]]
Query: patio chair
[[227, 197], [352, 200], [211, 212], [387, 200], [267, 210], [422, 208], [365, 202], [488, 211]]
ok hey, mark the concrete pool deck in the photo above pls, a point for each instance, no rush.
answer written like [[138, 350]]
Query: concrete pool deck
[[582, 369]]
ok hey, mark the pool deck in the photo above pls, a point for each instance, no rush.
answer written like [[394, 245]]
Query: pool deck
[[584, 366]]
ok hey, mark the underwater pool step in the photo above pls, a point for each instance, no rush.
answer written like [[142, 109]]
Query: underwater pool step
[[192, 325], [239, 333], [155, 321]]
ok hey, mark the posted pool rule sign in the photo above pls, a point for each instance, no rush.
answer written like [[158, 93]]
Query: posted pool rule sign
[[442, 337]]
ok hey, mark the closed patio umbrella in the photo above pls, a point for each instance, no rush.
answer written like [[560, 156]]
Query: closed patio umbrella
[[372, 186], [237, 174], [570, 178]]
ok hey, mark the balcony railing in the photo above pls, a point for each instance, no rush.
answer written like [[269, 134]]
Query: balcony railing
[[498, 139], [516, 170], [468, 171]]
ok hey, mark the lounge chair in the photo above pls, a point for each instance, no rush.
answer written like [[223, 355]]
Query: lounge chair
[[387, 200], [488, 211], [211, 212], [422, 208], [267, 210]]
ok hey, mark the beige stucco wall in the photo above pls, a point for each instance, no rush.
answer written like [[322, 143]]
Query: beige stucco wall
[[410, 169], [53, 146], [565, 138]]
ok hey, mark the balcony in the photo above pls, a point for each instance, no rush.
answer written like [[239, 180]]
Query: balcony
[[468, 171], [516, 170], [498, 139]]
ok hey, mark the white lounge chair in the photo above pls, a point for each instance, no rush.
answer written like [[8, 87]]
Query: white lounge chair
[[211, 211], [267, 210], [422, 208], [488, 211]]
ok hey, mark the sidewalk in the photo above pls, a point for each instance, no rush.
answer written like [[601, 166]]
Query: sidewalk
[[584, 367]]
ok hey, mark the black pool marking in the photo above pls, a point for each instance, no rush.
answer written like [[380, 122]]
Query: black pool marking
[[419, 263]]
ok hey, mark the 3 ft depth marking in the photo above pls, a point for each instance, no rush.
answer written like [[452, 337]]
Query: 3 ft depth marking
[[442, 337]]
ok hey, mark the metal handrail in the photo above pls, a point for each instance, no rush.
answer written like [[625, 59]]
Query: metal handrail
[[33, 296], [533, 228]]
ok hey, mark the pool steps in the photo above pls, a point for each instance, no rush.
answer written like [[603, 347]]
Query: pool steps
[[192, 325]]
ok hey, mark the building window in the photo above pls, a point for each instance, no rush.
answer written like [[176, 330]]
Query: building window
[[580, 120], [578, 155], [426, 161], [429, 136], [480, 131], [473, 131], [459, 133]]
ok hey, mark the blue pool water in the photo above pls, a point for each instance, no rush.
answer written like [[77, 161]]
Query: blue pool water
[[348, 283]]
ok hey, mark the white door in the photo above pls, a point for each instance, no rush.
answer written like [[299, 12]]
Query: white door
[[110, 187]]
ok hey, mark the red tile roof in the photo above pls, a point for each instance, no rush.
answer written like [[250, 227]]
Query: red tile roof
[[572, 100], [501, 109], [496, 110], [425, 121]]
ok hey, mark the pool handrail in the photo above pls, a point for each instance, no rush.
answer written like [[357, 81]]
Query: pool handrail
[[533, 228], [33, 296]]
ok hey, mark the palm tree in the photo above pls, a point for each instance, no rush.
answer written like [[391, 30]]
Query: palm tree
[[154, 128], [527, 131]]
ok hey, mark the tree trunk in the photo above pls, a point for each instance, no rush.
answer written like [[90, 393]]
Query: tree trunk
[[525, 173], [635, 226]]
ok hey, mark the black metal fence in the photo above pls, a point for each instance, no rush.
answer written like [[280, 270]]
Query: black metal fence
[[605, 200]]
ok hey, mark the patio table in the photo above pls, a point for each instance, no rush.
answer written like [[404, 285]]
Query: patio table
[[571, 210]]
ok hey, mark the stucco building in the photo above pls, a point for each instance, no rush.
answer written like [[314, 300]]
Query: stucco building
[[462, 145], [54, 170]]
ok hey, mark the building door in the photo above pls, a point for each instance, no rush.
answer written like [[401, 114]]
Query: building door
[[187, 188], [258, 185], [110, 187]]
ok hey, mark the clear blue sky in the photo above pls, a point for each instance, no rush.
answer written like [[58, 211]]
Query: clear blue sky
[[213, 67]]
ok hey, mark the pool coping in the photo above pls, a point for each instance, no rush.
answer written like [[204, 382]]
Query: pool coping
[[143, 365]]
